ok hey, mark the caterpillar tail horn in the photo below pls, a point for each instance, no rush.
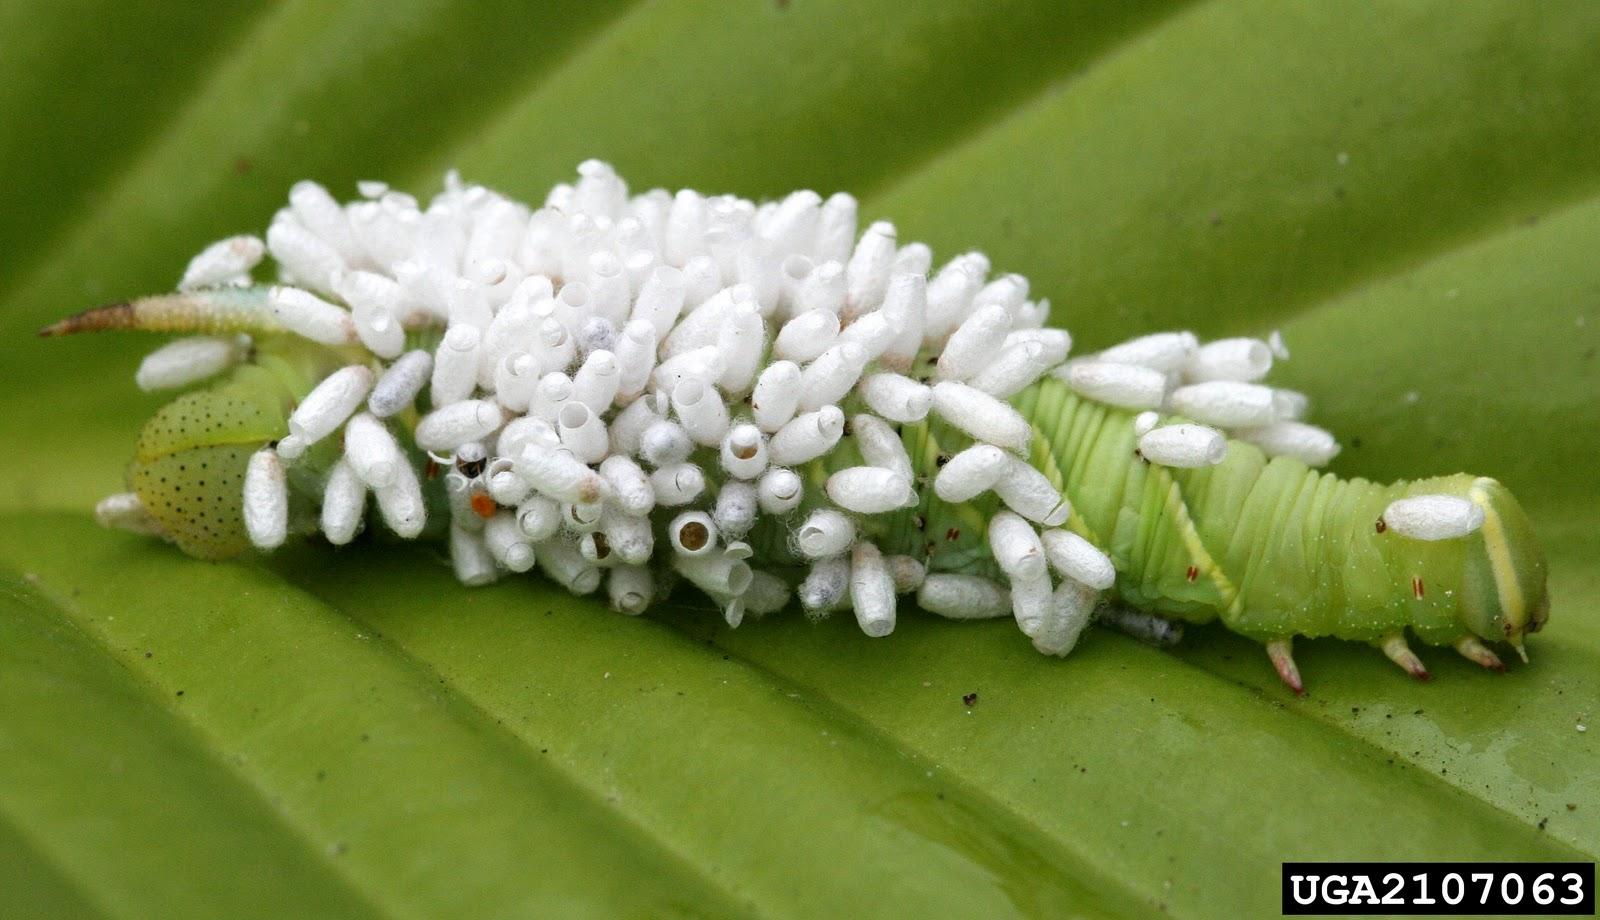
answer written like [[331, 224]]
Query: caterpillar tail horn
[[221, 310]]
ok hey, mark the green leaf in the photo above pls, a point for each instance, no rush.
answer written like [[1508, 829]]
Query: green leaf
[[1410, 191]]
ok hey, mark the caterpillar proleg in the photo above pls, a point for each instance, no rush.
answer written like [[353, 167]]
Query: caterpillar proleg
[[618, 391]]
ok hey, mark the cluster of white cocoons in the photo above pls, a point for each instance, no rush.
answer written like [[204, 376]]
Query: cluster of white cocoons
[[609, 369]]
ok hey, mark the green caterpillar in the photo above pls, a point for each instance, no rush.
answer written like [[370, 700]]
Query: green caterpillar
[[781, 406]]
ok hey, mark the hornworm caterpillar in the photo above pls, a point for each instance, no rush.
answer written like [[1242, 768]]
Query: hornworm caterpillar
[[627, 391]]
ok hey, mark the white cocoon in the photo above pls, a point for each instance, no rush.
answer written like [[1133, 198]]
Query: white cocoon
[[963, 597], [780, 491], [330, 403], [970, 473], [1029, 493], [344, 499], [871, 591], [1309, 444], [1225, 403], [825, 533], [982, 416], [1078, 559], [1433, 517], [896, 397], [184, 361], [266, 500], [1229, 359], [869, 489], [1160, 351], [1183, 446], [1016, 546], [1126, 386], [807, 437], [398, 386]]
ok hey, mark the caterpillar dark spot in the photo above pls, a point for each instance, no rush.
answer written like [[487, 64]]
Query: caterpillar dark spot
[[794, 403]]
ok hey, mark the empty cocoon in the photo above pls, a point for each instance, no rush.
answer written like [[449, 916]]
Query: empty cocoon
[[825, 533], [701, 410], [677, 484], [744, 452], [779, 491]]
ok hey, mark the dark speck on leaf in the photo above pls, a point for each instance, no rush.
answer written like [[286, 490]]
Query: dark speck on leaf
[[180, 693], [971, 699]]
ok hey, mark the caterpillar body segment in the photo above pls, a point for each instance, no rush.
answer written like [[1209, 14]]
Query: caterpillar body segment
[[1275, 549], [631, 390], [188, 467], [1269, 547]]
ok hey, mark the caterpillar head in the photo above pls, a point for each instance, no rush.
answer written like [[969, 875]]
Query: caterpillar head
[[1504, 592], [188, 469]]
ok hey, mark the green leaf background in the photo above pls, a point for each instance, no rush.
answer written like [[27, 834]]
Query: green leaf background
[[1409, 190]]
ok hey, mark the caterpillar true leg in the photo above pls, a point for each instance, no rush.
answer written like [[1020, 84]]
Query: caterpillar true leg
[[627, 390]]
